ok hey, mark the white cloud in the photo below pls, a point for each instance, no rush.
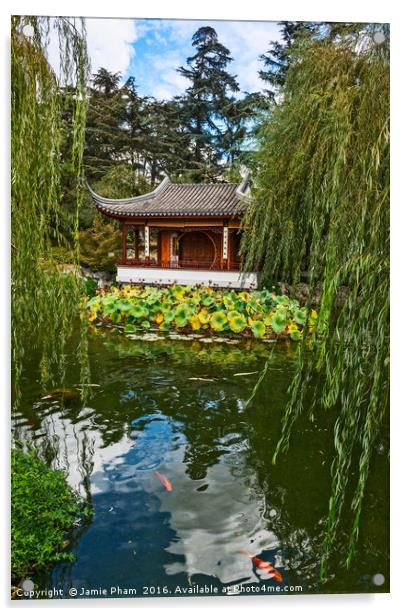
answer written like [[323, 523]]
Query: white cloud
[[162, 92], [166, 82], [247, 41], [110, 43]]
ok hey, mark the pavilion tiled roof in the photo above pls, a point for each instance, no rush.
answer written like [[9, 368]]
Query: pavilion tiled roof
[[179, 200]]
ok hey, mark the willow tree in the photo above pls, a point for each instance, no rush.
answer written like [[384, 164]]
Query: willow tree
[[321, 204], [45, 304]]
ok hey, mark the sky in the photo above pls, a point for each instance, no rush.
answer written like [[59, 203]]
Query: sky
[[152, 49]]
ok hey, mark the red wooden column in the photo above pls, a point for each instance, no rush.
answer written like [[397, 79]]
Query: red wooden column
[[124, 241], [165, 245]]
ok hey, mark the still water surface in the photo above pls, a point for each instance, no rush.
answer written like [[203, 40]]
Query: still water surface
[[178, 407]]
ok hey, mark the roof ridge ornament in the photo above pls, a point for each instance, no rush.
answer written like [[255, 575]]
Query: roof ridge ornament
[[243, 190]]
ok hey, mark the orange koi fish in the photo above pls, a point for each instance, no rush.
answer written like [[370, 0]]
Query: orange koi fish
[[167, 484], [265, 566]]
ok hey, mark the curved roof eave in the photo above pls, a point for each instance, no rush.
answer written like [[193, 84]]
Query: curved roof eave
[[144, 205], [130, 200]]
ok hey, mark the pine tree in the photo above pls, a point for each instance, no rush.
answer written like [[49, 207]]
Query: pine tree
[[203, 107], [239, 115], [168, 144], [134, 135], [104, 129], [277, 59]]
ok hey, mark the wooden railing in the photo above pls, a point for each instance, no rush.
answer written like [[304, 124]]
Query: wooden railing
[[181, 264]]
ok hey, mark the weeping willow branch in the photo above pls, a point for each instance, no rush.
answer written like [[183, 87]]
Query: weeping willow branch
[[321, 204], [45, 304]]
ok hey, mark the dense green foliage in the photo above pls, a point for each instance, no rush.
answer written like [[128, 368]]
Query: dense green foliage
[[276, 60], [100, 246], [322, 205], [91, 287], [43, 310], [261, 314], [131, 139], [43, 509]]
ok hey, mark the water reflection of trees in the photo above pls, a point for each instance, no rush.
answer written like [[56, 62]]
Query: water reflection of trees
[[139, 380]]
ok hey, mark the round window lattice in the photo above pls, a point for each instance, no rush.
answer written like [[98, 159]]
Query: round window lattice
[[215, 250]]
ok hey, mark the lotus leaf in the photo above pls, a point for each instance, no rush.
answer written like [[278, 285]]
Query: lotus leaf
[[115, 317], [208, 300], [300, 316], [245, 296], [181, 321], [281, 299], [182, 311], [94, 301], [139, 311], [254, 306], [228, 303], [169, 315], [237, 324], [296, 334], [178, 292], [204, 316], [264, 296], [195, 323], [232, 314], [267, 319], [218, 321], [258, 328], [278, 323]]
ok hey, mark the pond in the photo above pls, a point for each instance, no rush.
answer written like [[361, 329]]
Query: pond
[[177, 407]]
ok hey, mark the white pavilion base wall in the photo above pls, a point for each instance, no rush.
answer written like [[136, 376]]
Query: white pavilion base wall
[[157, 276]]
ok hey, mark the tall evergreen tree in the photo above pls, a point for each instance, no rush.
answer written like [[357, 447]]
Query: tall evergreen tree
[[166, 145], [277, 59], [134, 134], [240, 127], [104, 127], [204, 105]]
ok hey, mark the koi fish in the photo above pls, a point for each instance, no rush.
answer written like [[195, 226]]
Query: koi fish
[[167, 484], [265, 566]]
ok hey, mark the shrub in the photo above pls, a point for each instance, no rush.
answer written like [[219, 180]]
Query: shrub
[[43, 509], [100, 246], [91, 286]]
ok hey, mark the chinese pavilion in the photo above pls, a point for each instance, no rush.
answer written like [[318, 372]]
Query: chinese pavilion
[[182, 233]]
